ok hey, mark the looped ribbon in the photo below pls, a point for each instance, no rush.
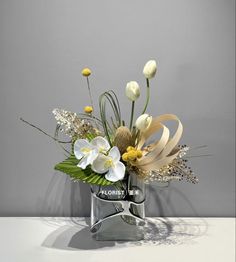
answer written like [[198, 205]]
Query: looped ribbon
[[163, 151]]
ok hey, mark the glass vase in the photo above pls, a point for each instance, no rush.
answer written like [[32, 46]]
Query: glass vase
[[117, 212]]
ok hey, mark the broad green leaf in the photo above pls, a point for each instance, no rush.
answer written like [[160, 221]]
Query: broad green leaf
[[69, 167]]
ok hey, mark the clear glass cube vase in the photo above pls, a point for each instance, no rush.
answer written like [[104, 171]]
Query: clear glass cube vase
[[118, 212]]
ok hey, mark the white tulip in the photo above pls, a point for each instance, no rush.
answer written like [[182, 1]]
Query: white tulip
[[150, 69], [132, 90], [143, 122]]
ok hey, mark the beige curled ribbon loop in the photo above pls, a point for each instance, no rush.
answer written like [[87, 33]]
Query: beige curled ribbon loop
[[162, 151]]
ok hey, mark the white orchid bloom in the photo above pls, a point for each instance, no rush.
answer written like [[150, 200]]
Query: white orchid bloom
[[110, 164], [87, 152], [101, 144]]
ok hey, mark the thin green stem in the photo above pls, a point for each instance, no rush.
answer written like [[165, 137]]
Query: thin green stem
[[54, 138], [91, 117], [91, 100], [40, 130], [197, 147], [90, 93], [102, 106], [198, 156], [111, 98], [148, 96], [132, 115], [136, 137]]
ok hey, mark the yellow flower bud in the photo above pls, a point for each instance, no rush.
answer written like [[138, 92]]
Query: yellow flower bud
[[88, 109], [125, 157], [132, 155], [86, 72], [139, 153], [129, 148]]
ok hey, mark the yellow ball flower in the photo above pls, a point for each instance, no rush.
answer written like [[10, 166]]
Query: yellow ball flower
[[88, 109], [139, 153], [86, 72], [132, 155], [125, 157], [129, 148]]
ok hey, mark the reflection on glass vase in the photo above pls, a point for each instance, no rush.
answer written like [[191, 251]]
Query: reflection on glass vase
[[117, 212]]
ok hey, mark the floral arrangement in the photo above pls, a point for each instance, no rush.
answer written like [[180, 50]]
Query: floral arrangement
[[105, 149]]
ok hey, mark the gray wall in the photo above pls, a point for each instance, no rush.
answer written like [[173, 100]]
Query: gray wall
[[45, 44]]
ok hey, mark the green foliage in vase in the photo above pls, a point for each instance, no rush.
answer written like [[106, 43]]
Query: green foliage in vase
[[69, 167]]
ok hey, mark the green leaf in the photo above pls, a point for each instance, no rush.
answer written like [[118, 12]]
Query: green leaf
[[90, 136], [69, 167]]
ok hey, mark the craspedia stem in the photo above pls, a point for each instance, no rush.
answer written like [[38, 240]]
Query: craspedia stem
[[90, 93]]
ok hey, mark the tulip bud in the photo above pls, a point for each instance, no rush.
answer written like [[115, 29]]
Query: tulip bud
[[150, 69], [132, 90], [143, 122]]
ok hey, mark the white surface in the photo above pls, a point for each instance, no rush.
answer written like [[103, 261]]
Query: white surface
[[67, 239]]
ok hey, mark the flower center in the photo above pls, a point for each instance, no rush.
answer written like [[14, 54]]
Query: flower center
[[85, 150], [102, 149], [109, 163]]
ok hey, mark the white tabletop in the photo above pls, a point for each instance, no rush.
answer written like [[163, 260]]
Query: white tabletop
[[31, 239]]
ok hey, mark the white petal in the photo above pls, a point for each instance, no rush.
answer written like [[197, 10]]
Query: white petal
[[101, 143], [84, 162], [88, 159], [114, 154], [80, 143], [98, 165], [92, 155], [116, 173]]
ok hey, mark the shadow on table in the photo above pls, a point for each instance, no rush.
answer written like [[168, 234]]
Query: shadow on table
[[75, 234]]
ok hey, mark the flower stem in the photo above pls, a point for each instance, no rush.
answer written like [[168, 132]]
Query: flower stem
[[132, 116], [148, 96], [89, 89], [54, 138], [91, 101], [40, 130]]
